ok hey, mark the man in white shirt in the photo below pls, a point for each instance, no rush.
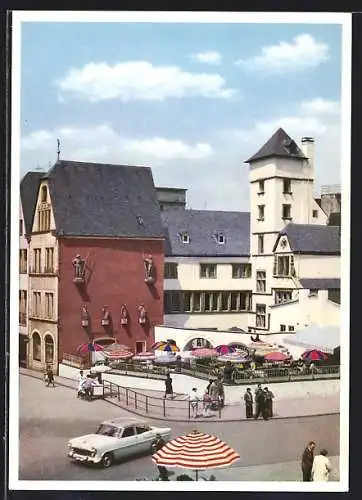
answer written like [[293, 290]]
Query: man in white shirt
[[81, 378], [194, 401], [321, 467]]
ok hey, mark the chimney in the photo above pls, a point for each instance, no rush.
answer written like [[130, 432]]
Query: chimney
[[308, 149]]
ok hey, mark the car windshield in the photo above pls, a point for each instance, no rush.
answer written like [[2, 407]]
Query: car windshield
[[107, 430]]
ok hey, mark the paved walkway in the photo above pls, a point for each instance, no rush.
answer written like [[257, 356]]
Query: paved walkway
[[177, 409]]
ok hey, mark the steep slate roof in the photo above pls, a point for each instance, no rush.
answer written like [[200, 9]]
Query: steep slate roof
[[202, 227], [312, 238], [94, 199], [280, 144], [29, 186], [320, 283]]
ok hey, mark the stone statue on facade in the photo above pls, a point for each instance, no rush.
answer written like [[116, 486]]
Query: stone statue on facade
[[149, 267], [142, 314], [79, 267]]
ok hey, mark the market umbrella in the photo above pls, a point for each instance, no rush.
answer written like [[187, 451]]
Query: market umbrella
[[118, 354], [144, 356], [117, 347], [196, 451], [168, 347], [224, 349], [276, 356], [158, 344], [314, 355], [89, 347], [165, 359], [204, 352]]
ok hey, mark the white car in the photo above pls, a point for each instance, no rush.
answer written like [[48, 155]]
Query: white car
[[116, 439]]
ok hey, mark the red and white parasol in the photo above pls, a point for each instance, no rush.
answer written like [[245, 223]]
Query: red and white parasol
[[144, 356], [196, 451], [118, 354], [204, 352]]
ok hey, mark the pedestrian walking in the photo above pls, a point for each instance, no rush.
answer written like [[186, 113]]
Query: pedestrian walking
[[307, 461], [81, 378], [321, 467], [269, 396], [207, 401], [194, 402], [168, 386], [260, 403], [248, 399], [156, 446], [220, 392], [50, 376]]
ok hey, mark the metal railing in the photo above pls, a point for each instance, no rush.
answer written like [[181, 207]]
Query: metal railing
[[238, 376], [154, 406]]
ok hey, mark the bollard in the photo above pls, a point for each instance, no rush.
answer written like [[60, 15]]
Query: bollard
[[135, 400], [164, 407], [119, 397], [127, 396], [219, 409], [146, 404], [103, 390], [189, 410]]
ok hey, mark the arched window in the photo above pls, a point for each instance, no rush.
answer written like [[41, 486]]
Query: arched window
[[44, 194], [36, 347], [49, 349]]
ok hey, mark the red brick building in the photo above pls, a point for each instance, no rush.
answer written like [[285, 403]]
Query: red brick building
[[96, 260]]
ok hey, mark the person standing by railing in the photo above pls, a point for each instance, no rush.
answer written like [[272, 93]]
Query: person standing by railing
[[194, 401], [168, 386]]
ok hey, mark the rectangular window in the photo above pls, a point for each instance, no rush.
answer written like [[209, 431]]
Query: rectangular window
[[241, 271], [261, 212], [261, 187], [282, 296], [207, 301], [21, 227], [140, 346], [44, 219], [170, 270], [260, 243], [187, 301], [287, 186], [261, 281], [287, 211], [207, 270], [172, 302], [23, 257], [284, 265], [234, 301], [283, 328], [196, 301], [225, 301], [37, 260], [215, 301], [49, 305], [49, 260], [36, 304], [22, 307], [260, 320], [291, 328], [315, 214]]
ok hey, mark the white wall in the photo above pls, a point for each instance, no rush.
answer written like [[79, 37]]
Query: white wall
[[318, 266], [183, 384]]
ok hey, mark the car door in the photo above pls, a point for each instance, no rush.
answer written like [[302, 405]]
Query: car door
[[127, 442], [145, 437]]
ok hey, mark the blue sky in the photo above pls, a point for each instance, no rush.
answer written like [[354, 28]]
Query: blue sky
[[193, 101]]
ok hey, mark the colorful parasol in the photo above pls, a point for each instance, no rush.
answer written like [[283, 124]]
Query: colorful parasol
[[234, 358], [224, 349], [158, 344], [144, 356], [314, 355], [89, 347], [276, 356], [196, 451], [118, 354], [204, 352], [168, 347]]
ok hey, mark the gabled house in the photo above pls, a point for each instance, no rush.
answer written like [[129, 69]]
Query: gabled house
[[96, 260]]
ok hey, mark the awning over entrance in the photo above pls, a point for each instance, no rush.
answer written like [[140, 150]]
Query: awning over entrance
[[322, 338]]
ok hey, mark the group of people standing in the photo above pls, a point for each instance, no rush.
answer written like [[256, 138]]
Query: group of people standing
[[315, 468], [263, 403]]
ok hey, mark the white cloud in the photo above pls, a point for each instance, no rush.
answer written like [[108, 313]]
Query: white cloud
[[302, 53], [134, 80], [79, 144], [207, 57], [321, 106]]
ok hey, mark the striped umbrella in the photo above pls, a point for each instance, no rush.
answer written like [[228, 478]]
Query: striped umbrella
[[158, 344], [144, 356], [196, 451], [118, 354], [168, 347], [276, 356], [204, 352], [117, 347], [314, 355]]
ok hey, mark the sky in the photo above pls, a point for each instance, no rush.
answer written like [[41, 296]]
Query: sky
[[191, 101]]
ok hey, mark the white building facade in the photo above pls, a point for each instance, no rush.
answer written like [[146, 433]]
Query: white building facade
[[275, 269]]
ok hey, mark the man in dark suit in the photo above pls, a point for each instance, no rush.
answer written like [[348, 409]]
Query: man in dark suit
[[307, 461]]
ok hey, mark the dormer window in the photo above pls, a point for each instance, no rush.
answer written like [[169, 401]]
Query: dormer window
[[185, 238], [44, 194], [220, 238]]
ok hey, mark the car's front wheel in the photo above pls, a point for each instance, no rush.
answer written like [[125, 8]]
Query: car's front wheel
[[107, 460]]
